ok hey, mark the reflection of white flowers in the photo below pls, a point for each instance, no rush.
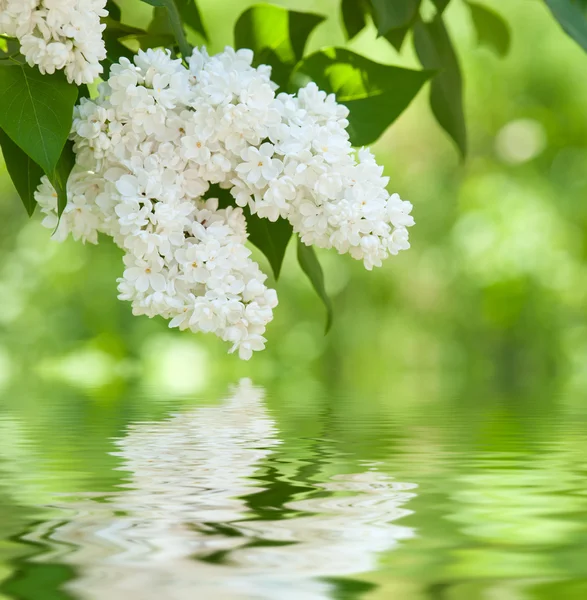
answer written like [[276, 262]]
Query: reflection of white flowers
[[159, 134], [186, 497], [58, 34]]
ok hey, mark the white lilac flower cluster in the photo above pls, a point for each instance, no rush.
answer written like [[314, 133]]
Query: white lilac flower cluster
[[159, 134], [58, 34]]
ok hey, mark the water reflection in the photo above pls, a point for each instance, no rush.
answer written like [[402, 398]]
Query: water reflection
[[182, 525]]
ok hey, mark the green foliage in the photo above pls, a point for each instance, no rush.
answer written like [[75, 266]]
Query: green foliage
[[311, 267], [270, 237], [276, 35], [435, 51], [571, 14], [35, 114], [190, 14], [188, 10], [394, 15], [58, 177], [353, 17], [24, 172], [375, 94], [491, 29], [36, 110], [440, 5]]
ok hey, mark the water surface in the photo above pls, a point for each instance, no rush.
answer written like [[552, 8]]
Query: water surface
[[243, 495]]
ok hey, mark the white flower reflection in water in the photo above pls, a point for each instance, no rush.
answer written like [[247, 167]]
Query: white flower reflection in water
[[182, 529]]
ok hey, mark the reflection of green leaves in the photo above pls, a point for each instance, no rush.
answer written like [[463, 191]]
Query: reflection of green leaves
[[36, 112], [435, 51], [276, 35], [23, 170], [311, 267], [572, 18], [491, 29], [394, 14], [375, 94]]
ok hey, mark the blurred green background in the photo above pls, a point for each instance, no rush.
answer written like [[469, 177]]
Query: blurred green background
[[492, 291]]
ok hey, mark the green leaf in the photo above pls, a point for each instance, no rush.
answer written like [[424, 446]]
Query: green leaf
[[188, 9], [59, 176], [440, 5], [119, 30], [491, 29], [113, 10], [24, 172], [8, 47], [114, 51], [36, 112], [160, 23], [353, 17], [276, 35], [394, 14], [176, 18], [271, 237], [435, 51], [83, 92], [311, 267], [396, 37], [375, 94], [571, 16]]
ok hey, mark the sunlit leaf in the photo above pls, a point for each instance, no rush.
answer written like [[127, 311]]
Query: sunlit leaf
[[435, 51], [393, 14], [491, 29], [36, 112], [276, 35], [23, 170], [311, 267], [375, 94], [571, 14]]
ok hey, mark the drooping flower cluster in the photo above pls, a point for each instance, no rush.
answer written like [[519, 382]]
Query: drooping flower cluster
[[159, 134], [58, 34]]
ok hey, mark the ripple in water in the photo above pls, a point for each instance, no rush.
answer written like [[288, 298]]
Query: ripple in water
[[182, 526]]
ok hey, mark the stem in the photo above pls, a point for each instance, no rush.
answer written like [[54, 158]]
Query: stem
[[176, 25]]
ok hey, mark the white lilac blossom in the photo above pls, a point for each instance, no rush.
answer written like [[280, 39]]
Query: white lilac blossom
[[58, 34], [159, 134]]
